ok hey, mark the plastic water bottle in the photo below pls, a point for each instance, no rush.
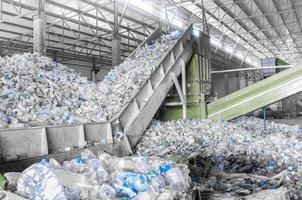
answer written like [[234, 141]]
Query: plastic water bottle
[[87, 154], [164, 168], [175, 179], [150, 195], [137, 182], [76, 165], [140, 164], [10, 84], [106, 192], [102, 174], [121, 188], [158, 182], [40, 182], [72, 193], [79, 166]]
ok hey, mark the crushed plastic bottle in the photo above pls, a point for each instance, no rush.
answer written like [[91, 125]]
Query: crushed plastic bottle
[[79, 166], [123, 189], [157, 182], [12, 180], [102, 174], [140, 164], [150, 195], [164, 168], [107, 161], [175, 178], [87, 154], [72, 193], [137, 182], [107, 192], [123, 163], [40, 182]]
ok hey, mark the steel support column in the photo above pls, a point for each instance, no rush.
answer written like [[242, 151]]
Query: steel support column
[[226, 83], [116, 40], [40, 30], [93, 71], [246, 77]]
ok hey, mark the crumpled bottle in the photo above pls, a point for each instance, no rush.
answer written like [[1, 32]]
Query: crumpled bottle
[[124, 164], [129, 183], [176, 180], [72, 192], [40, 182], [87, 154], [107, 160], [121, 188], [137, 182], [12, 179], [102, 174], [79, 166], [157, 182], [140, 164], [164, 168], [149, 195], [107, 192]]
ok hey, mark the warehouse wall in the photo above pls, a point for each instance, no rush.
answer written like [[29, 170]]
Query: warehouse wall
[[218, 85], [242, 82], [84, 68], [234, 83]]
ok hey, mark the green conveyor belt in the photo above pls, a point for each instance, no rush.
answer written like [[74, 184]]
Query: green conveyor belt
[[258, 95]]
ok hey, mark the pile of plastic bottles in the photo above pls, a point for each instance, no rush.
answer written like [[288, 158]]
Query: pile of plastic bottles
[[231, 147], [105, 177], [35, 90], [120, 83], [257, 126], [240, 184]]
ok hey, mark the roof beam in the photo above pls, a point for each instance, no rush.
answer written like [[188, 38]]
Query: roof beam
[[233, 31], [249, 14], [64, 6], [31, 8], [214, 31], [65, 19], [220, 5], [296, 15], [61, 52], [52, 40], [283, 20], [69, 29], [97, 5]]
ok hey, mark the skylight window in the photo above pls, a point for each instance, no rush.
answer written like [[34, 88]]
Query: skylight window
[[142, 5]]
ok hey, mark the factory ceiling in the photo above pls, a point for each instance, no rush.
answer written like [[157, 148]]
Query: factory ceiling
[[245, 29]]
